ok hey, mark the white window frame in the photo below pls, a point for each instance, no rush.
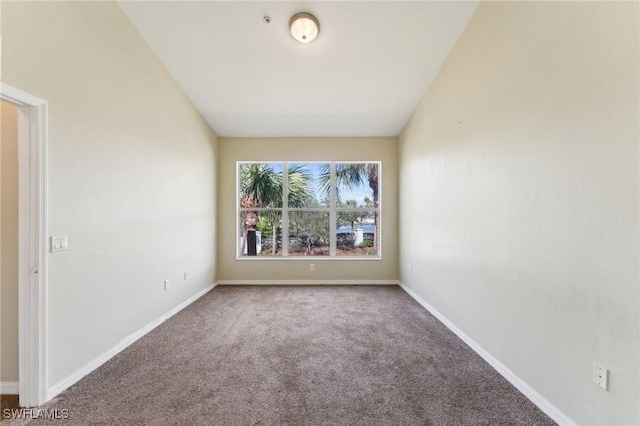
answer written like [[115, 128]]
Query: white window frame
[[285, 210]]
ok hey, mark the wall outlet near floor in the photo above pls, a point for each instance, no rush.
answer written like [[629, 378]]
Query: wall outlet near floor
[[186, 276], [166, 285], [312, 267], [601, 376]]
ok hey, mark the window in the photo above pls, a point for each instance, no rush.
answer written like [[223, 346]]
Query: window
[[332, 209]]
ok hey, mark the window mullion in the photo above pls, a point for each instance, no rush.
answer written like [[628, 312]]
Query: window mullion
[[332, 211], [285, 210], [239, 226]]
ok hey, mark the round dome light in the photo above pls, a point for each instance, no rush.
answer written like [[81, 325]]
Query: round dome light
[[304, 27]]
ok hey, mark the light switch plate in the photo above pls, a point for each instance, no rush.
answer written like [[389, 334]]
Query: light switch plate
[[58, 243]]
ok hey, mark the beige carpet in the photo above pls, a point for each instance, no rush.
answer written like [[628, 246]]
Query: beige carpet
[[349, 355]]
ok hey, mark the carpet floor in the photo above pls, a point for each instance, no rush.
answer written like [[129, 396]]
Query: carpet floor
[[297, 355]]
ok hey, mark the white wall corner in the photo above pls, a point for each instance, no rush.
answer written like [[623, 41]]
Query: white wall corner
[[542, 403]]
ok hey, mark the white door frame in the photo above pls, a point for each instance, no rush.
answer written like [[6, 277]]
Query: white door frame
[[32, 250]]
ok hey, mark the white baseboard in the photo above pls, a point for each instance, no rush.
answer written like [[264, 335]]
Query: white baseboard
[[548, 408], [9, 388], [307, 282], [56, 389]]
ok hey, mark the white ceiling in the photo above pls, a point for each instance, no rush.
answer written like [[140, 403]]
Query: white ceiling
[[363, 76]]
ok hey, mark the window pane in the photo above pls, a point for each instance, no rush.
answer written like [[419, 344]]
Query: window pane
[[309, 233], [308, 185], [257, 230], [356, 233], [357, 185], [260, 185]]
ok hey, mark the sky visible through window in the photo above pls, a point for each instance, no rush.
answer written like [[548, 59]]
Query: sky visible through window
[[358, 193], [314, 169]]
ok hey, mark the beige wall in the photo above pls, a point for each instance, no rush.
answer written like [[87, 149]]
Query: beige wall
[[519, 194], [9, 243], [131, 175], [232, 150]]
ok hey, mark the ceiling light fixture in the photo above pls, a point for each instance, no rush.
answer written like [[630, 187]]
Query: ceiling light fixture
[[304, 27]]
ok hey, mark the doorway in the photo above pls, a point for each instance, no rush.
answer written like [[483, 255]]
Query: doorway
[[9, 249], [31, 131]]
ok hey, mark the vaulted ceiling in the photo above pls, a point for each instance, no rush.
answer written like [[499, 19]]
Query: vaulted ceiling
[[363, 76]]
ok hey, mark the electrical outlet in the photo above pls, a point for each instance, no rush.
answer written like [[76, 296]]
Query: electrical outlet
[[601, 376], [186, 276], [166, 285], [410, 268], [312, 267]]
